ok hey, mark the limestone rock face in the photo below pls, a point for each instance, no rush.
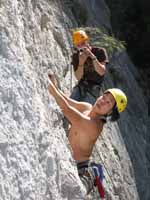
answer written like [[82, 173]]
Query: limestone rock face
[[35, 157], [35, 161]]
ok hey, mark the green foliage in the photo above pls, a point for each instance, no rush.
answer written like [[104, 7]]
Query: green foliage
[[99, 38], [111, 44]]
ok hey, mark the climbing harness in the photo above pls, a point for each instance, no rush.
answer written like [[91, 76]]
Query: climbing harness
[[98, 172], [91, 175]]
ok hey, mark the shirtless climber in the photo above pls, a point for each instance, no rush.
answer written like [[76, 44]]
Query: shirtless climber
[[87, 122]]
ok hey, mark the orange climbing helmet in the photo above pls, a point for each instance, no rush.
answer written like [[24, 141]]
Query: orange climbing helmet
[[79, 36]]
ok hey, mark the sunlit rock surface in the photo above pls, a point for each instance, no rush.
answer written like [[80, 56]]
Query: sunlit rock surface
[[35, 157]]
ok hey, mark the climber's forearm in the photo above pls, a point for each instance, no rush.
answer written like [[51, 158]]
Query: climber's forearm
[[81, 106], [72, 114], [66, 97], [99, 67], [61, 101], [71, 102], [79, 72]]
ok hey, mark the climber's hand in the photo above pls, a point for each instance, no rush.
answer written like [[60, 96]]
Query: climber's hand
[[88, 52], [82, 57]]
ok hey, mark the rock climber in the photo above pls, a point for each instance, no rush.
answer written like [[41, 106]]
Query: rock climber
[[89, 68], [86, 124]]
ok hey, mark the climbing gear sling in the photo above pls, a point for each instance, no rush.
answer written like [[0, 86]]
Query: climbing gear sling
[[92, 176]]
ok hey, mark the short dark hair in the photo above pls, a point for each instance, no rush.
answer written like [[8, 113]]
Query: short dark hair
[[115, 114]]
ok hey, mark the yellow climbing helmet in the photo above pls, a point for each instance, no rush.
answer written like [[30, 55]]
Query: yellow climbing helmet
[[120, 98], [79, 36]]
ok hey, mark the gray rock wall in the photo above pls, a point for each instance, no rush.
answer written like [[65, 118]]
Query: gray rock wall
[[35, 161], [35, 157]]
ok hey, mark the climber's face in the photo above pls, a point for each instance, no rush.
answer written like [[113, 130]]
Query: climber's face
[[82, 45], [104, 104]]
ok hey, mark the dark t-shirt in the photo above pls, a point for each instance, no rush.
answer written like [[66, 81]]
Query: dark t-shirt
[[90, 75]]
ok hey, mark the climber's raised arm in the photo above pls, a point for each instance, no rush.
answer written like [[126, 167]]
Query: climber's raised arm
[[71, 113], [80, 106]]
